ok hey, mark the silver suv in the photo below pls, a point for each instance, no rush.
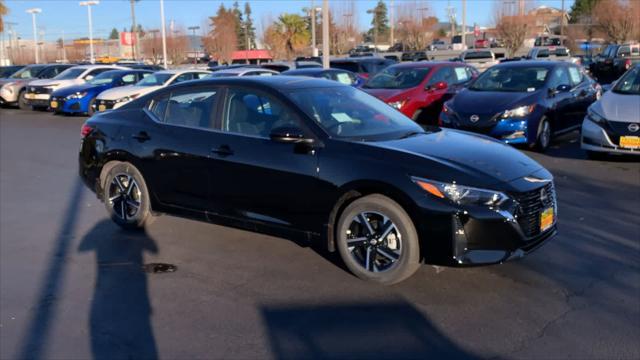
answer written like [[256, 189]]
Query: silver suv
[[12, 89]]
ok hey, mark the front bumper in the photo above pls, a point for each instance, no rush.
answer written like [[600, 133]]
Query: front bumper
[[482, 236], [8, 96], [510, 131], [103, 105], [595, 138], [62, 104], [37, 99]]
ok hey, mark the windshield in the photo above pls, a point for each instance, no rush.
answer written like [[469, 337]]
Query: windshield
[[71, 73], [104, 78], [221, 74], [397, 78], [478, 55], [511, 79], [629, 84], [345, 112], [154, 80], [27, 72], [349, 66]]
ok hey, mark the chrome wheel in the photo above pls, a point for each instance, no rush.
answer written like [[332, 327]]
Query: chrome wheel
[[124, 196], [374, 241]]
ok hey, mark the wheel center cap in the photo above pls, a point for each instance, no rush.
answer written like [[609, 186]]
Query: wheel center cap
[[373, 241]]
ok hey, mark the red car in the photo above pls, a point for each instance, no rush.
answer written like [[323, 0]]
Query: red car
[[418, 89]]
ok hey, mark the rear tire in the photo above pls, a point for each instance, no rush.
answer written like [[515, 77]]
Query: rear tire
[[126, 197], [377, 240], [90, 110]]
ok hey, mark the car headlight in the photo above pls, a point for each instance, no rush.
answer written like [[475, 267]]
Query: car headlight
[[595, 117], [397, 104], [518, 112], [462, 195], [78, 95]]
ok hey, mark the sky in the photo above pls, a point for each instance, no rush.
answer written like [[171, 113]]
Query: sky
[[66, 16]]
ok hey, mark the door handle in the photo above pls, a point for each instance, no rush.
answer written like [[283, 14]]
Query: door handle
[[223, 150], [142, 136]]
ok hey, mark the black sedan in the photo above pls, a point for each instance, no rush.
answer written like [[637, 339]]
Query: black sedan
[[325, 160], [524, 102]]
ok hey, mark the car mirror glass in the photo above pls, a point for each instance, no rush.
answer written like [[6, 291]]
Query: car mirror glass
[[563, 88]]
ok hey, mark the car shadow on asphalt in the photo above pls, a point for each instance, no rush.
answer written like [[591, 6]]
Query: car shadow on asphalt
[[568, 146], [393, 330], [120, 316]]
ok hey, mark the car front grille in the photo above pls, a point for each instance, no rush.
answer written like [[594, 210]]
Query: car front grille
[[531, 204], [615, 129], [40, 90], [108, 104]]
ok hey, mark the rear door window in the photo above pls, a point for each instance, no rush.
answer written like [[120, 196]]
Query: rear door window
[[191, 107], [575, 75], [129, 79]]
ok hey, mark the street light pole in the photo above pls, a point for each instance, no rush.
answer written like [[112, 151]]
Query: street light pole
[[33, 12], [391, 20], [88, 4], [164, 35], [464, 24]]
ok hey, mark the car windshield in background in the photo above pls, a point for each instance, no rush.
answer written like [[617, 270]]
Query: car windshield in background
[[345, 112], [221, 74], [104, 78], [349, 66], [629, 84], [397, 78], [27, 72], [478, 55], [562, 52], [511, 79], [68, 74], [154, 80]]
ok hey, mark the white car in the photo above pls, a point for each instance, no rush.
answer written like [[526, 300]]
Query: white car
[[116, 97], [243, 71], [38, 92], [612, 124], [480, 59]]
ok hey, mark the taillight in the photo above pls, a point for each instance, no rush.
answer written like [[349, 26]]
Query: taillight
[[85, 130]]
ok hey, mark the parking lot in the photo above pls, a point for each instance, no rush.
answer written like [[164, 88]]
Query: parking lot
[[65, 267]]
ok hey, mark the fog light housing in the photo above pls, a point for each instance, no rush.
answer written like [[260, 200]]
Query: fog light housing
[[459, 240]]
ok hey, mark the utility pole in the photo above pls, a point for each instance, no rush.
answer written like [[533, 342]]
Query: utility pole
[[464, 24], [325, 34], [562, 21], [392, 23], [164, 35], [134, 30], [195, 52], [312, 15], [33, 12]]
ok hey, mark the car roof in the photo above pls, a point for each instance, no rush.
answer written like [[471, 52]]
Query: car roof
[[424, 64], [276, 83], [530, 63], [87, 67], [125, 71], [360, 59], [312, 70], [242, 70], [180, 71]]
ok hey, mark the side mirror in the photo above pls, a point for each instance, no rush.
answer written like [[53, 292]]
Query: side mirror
[[288, 134], [563, 88], [440, 85]]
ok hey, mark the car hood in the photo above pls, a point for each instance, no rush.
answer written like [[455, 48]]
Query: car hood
[[490, 102], [385, 94], [80, 88], [56, 84], [464, 158], [120, 92], [619, 107]]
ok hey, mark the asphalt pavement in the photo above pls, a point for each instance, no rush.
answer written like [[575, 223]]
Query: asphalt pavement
[[72, 284]]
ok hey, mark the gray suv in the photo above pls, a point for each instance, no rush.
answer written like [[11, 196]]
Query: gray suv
[[12, 89]]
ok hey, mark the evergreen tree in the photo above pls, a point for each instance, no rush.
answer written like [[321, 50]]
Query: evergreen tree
[[115, 35], [248, 23], [240, 32], [380, 21], [581, 9]]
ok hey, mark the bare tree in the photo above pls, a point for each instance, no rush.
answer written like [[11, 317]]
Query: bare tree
[[416, 25], [177, 46], [222, 40], [618, 20], [512, 29]]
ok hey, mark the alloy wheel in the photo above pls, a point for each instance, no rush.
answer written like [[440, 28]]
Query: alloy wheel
[[374, 241], [545, 135], [124, 196]]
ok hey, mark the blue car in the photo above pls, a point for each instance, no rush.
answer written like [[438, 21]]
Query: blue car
[[524, 102], [79, 99], [343, 76]]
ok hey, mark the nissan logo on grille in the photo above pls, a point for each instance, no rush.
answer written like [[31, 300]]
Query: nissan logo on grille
[[474, 118], [634, 127]]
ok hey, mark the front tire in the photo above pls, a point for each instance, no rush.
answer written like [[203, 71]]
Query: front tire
[[544, 135], [126, 196], [377, 240], [22, 102]]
